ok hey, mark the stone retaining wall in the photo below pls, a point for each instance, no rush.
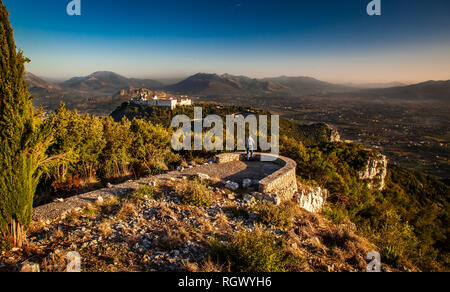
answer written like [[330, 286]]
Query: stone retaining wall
[[283, 182]]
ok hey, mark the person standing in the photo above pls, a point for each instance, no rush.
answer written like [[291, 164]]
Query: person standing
[[250, 144]]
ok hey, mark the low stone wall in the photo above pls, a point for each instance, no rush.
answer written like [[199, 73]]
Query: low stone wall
[[230, 157], [282, 183]]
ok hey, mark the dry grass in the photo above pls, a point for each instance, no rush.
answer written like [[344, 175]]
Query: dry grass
[[58, 234], [222, 225], [105, 228], [36, 226], [127, 210], [278, 216], [173, 238], [92, 211], [205, 226], [194, 193], [208, 266], [251, 251]]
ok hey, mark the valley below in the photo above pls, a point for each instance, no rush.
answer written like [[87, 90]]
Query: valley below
[[412, 134]]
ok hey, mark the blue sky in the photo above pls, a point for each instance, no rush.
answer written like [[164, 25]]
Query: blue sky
[[331, 40]]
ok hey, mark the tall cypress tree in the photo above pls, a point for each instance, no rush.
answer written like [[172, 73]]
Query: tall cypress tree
[[21, 151]]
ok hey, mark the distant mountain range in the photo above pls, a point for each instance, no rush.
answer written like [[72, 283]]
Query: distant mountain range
[[98, 91], [376, 85], [226, 84], [426, 91]]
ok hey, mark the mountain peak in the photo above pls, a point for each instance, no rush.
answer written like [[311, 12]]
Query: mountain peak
[[107, 82], [105, 73]]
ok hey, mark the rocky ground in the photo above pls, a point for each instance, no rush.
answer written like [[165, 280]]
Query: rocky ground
[[156, 229]]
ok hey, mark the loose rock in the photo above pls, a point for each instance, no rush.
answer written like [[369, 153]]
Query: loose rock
[[232, 186]]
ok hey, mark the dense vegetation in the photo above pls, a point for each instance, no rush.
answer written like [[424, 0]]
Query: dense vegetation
[[92, 151], [408, 220], [308, 134]]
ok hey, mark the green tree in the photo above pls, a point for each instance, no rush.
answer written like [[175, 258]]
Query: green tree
[[22, 150], [115, 158], [151, 146], [79, 138]]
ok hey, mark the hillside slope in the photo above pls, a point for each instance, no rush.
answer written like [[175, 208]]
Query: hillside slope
[[35, 82]]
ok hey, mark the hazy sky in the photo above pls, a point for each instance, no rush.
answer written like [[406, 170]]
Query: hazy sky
[[330, 40]]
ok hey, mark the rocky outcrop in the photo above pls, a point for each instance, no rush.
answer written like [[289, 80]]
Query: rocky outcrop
[[334, 135], [375, 172], [315, 134], [312, 199]]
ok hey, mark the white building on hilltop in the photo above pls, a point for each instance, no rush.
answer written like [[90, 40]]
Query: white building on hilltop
[[165, 102]]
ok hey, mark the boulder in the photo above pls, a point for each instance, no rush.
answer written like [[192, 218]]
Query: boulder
[[233, 186], [248, 199], [267, 198], [258, 196], [246, 183], [203, 176], [231, 197], [276, 200]]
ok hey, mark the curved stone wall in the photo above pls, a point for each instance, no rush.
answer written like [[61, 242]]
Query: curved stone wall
[[283, 182]]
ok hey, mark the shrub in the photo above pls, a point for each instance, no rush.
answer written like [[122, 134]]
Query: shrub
[[70, 185], [278, 216], [257, 251], [390, 255], [237, 211], [151, 146], [194, 193], [142, 194], [335, 215], [396, 237]]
